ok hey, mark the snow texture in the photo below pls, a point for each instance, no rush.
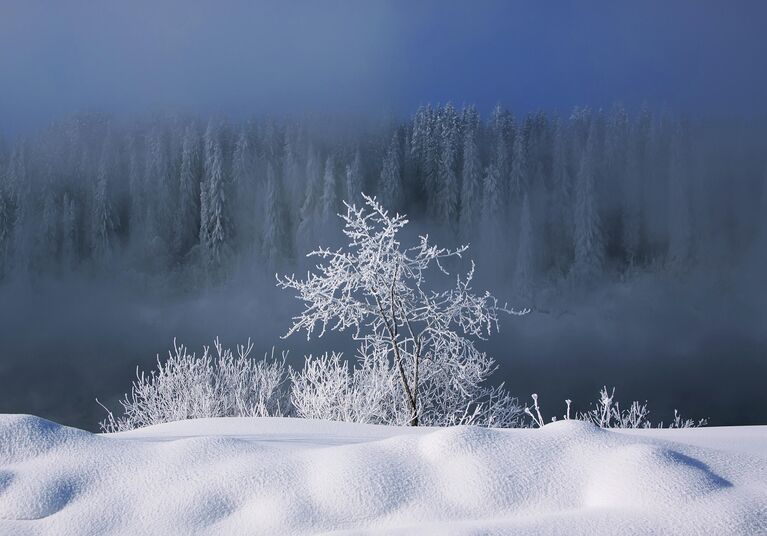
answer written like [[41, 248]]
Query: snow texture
[[294, 476]]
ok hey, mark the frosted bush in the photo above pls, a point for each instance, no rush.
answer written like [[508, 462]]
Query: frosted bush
[[221, 383], [608, 413], [369, 391], [328, 388]]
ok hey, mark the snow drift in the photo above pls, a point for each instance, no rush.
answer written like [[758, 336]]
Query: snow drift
[[295, 476]]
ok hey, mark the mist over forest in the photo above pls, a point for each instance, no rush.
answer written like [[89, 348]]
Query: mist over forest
[[637, 238]]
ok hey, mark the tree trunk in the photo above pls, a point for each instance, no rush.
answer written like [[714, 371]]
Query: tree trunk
[[409, 395]]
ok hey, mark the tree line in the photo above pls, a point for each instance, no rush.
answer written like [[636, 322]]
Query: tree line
[[548, 197]]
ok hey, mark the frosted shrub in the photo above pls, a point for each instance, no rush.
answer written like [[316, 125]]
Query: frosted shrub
[[248, 387], [608, 413], [680, 422], [328, 387], [187, 386], [455, 393]]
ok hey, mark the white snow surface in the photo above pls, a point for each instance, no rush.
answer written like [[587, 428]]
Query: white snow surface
[[279, 476]]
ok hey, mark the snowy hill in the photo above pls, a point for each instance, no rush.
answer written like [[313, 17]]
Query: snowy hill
[[293, 476]]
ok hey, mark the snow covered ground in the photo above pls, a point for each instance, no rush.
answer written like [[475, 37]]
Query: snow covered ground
[[292, 476]]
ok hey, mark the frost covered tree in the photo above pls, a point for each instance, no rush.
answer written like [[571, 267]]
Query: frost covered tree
[[69, 239], [617, 136], [310, 208], [330, 187], [524, 270], [446, 191], [389, 186], [589, 245], [155, 219], [470, 120], [187, 219], [491, 205], [293, 169], [471, 187], [417, 147], [431, 155], [378, 290], [104, 219], [135, 188], [243, 162], [354, 178], [215, 240], [502, 124], [8, 200], [631, 209], [48, 231], [5, 232], [275, 239], [561, 214], [244, 192], [520, 171], [20, 192], [679, 217]]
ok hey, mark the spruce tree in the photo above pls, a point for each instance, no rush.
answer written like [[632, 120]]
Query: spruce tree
[[354, 179], [491, 205], [471, 186], [157, 207], [390, 188], [48, 238], [502, 124], [218, 224], [5, 232], [243, 162], [20, 197], [310, 208], [69, 231], [447, 191], [417, 146], [292, 171], [524, 270], [104, 219], [520, 171], [330, 203], [430, 164], [679, 217], [632, 203], [589, 244], [561, 213], [187, 219], [135, 189], [617, 140], [274, 241]]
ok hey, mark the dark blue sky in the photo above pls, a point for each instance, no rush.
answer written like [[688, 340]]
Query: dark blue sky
[[242, 57]]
